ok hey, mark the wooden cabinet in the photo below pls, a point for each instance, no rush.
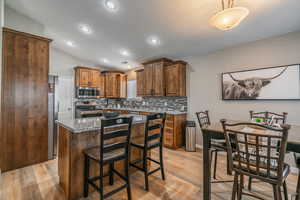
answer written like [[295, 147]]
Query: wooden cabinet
[[123, 85], [115, 84], [175, 76], [102, 85], [87, 77], [174, 131], [154, 81], [140, 82], [24, 103]]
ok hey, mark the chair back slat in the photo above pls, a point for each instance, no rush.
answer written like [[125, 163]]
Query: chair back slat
[[114, 146], [256, 149], [115, 135], [203, 118], [154, 128]]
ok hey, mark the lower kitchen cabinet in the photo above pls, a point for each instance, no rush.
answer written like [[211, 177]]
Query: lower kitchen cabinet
[[174, 131]]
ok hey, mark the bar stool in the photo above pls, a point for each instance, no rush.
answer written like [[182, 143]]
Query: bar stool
[[218, 143], [154, 130], [114, 146]]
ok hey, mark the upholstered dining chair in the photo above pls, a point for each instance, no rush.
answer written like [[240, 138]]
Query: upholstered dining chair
[[259, 153], [217, 145]]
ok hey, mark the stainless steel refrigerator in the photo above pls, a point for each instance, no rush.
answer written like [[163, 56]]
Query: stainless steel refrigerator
[[53, 108]]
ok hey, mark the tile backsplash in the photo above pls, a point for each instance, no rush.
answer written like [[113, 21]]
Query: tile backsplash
[[151, 103]]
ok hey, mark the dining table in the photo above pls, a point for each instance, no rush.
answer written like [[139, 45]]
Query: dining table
[[215, 131]]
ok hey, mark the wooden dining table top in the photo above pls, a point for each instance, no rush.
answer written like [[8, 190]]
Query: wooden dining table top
[[293, 137]]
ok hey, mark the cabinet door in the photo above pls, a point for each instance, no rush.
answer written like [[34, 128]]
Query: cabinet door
[[148, 75], [172, 80], [111, 85], [140, 83], [158, 80], [102, 85], [84, 77], [123, 86], [24, 105], [94, 78]]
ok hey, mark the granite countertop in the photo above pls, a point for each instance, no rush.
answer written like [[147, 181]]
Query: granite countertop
[[147, 110], [91, 124]]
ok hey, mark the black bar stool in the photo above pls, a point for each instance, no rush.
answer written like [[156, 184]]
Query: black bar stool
[[109, 152], [154, 130]]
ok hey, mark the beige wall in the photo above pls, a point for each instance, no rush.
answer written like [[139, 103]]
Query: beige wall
[[205, 77]]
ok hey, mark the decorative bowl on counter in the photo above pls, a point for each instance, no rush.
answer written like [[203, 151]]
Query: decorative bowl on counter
[[110, 114]]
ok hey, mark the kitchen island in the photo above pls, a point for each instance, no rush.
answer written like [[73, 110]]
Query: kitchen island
[[75, 135]]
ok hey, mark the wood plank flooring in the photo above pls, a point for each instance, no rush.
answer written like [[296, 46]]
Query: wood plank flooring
[[183, 181]]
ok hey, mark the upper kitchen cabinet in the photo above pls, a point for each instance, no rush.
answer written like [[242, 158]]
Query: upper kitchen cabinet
[[87, 77], [140, 82], [115, 84], [102, 85], [175, 76], [154, 79]]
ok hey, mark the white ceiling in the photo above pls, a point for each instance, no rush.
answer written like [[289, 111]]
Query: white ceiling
[[181, 25]]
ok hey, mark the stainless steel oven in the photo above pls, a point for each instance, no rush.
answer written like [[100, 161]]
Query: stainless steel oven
[[87, 92]]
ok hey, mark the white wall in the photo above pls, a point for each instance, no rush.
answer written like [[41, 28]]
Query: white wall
[[205, 77], [204, 90]]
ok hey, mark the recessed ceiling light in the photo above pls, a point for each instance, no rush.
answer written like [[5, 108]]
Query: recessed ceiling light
[[111, 5], [125, 52], [129, 67], [153, 40], [85, 29], [105, 60], [70, 43]]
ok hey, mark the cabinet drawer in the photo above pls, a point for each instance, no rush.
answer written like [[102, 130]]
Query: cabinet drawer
[[170, 118], [168, 140], [169, 131], [169, 124]]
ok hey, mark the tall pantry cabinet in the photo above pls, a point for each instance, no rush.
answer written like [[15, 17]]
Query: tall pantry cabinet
[[24, 103]]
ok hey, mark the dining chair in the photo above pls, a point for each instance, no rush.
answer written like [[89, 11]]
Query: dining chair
[[217, 144], [114, 146], [154, 134], [267, 116], [258, 152]]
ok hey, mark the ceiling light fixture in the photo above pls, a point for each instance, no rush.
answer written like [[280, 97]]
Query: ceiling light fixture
[[124, 52], [153, 40], [70, 43], [229, 17], [111, 5], [85, 29], [105, 60]]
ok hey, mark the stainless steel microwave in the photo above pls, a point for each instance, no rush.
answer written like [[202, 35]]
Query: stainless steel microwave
[[87, 92]]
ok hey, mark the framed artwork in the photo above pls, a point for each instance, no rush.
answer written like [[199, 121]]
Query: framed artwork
[[273, 83]]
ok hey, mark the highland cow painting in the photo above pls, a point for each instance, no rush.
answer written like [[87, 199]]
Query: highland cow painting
[[275, 83]]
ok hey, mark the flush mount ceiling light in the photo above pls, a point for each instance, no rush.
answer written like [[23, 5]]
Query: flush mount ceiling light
[[124, 52], [111, 5], [229, 17], [70, 43], [105, 60], [153, 41], [85, 29]]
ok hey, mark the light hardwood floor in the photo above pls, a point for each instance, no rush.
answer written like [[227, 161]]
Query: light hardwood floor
[[183, 181]]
